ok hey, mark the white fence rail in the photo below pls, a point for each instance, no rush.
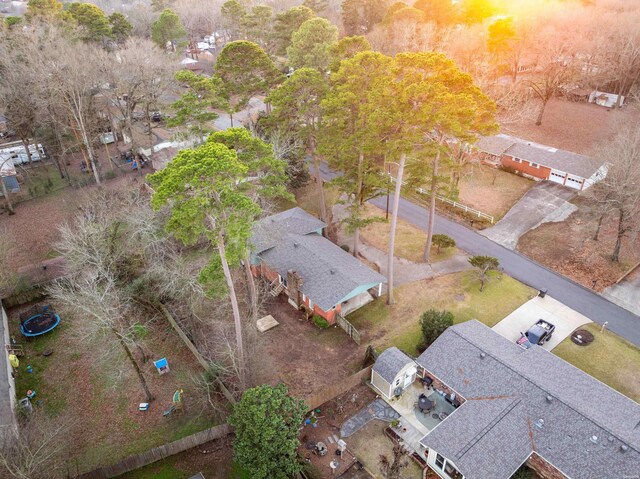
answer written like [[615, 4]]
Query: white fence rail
[[455, 204]]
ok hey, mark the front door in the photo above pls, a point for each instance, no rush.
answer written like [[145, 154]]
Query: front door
[[409, 377]]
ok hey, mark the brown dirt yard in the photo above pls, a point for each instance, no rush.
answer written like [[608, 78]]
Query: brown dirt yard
[[301, 355], [491, 190], [96, 393], [34, 227], [568, 247], [370, 442], [573, 126]]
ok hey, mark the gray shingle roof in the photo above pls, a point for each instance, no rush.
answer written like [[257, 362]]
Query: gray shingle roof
[[390, 363], [495, 144], [562, 160], [507, 414], [328, 272], [269, 231]]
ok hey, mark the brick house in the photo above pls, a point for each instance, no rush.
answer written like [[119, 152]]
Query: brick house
[[523, 406], [317, 276], [539, 162]]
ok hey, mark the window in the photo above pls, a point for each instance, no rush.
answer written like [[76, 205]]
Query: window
[[517, 160], [449, 469], [534, 165]]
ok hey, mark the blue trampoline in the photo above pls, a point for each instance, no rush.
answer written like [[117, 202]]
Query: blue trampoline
[[38, 321]]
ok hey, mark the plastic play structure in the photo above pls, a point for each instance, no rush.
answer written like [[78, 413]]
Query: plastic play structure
[[39, 320], [177, 403]]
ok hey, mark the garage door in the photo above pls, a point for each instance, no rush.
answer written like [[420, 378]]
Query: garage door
[[574, 183], [557, 176]]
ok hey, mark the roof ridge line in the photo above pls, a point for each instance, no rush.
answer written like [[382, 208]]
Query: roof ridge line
[[494, 422], [549, 393]]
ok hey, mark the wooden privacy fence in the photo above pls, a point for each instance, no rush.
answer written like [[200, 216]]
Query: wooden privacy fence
[[349, 328], [158, 453], [336, 389]]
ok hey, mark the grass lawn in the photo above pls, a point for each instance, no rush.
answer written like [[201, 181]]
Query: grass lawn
[[410, 241], [491, 190], [398, 325], [609, 358]]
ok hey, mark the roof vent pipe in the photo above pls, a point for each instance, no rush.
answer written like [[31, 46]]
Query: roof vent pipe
[[483, 355], [624, 448], [549, 399]]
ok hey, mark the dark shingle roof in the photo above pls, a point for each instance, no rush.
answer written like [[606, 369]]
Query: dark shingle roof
[[269, 231], [496, 144], [507, 410], [562, 160], [390, 363], [328, 272]]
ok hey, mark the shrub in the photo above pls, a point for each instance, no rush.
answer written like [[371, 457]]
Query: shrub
[[433, 323], [443, 241], [345, 247], [320, 321]]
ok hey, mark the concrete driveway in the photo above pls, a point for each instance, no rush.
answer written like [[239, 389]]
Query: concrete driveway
[[545, 202], [565, 319]]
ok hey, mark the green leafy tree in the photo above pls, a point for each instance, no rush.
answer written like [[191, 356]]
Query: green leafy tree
[[246, 71], [442, 12], [311, 44], [92, 21], [347, 141], [45, 10], [347, 47], [167, 28], [318, 6], [443, 241], [433, 323], [286, 23], [484, 264], [266, 178], [360, 16], [194, 109], [462, 112], [258, 26], [427, 100], [232, 14], [296, 108], [120, 26], [267, 422], [477, 11], [200, 185]]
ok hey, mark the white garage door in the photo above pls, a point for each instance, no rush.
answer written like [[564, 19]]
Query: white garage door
[[557, 176], [574, 183]]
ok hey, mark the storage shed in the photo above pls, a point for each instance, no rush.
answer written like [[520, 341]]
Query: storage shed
[[393, 372]]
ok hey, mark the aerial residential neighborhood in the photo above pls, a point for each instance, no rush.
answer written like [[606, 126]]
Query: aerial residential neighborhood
[[357, 239]]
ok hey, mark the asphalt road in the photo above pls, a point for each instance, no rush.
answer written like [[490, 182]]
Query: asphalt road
[[577, 297]]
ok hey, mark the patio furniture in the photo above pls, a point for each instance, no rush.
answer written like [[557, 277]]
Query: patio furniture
[[425, 404], [442, 416], [426, 381]]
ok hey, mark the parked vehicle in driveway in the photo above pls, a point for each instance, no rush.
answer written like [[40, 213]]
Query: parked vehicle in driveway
[[539, 334]]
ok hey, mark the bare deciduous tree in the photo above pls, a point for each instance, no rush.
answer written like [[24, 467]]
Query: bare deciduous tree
[[619, 191], [35, 450]]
